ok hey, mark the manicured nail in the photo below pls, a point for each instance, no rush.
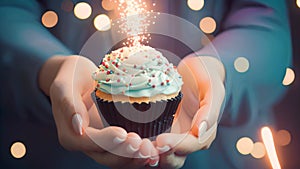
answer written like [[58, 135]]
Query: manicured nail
[[77, 123], [118, 140], [202, 130], [163, 149], [143, 156], [153, 163], [131, 149]]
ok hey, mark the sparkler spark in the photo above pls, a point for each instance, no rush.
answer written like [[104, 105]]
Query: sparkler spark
[[270, 147], [134, 21]]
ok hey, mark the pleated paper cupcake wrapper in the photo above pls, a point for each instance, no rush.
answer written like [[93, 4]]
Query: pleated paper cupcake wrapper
[[146, 119]]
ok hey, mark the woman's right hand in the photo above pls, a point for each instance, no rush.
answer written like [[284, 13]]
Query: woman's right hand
[[68, 82]]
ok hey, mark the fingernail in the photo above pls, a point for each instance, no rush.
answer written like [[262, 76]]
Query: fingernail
[[77, 123], [143, 156], [118, 140], [153, 163], [163, 149], [202, 130], [131, 149]]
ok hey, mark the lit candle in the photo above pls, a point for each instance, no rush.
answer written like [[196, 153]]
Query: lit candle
[[270, 147]]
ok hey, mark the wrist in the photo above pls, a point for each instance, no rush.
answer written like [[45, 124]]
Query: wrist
[[48, 72]]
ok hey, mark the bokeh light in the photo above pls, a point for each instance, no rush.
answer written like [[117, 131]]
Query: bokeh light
[[208, 25], [241, 64], [289, 77], [82, 10], [283, 138], [102, 22], [298, 3], [49, 19], [259, 150], [195, 5], [18, 150], [109, 4], [67, 5], [244, 145]]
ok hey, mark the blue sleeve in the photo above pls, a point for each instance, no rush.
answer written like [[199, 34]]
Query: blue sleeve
[[259, 31], [25, 46]]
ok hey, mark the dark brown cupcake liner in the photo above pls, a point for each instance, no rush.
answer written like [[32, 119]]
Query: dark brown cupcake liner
[[146, 119]]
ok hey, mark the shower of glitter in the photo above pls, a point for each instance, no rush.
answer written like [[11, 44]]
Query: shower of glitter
[[135, 20]]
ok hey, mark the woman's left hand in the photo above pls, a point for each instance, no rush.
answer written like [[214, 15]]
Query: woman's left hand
[[195, 123]]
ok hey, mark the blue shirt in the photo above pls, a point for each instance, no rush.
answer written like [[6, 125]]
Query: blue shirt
[[255, 29]]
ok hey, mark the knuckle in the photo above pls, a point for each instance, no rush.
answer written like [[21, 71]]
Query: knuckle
[[162, 140], [116, 131], [159, 140]]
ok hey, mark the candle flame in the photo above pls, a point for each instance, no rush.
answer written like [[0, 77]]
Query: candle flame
[[270, 147], [134, 21]]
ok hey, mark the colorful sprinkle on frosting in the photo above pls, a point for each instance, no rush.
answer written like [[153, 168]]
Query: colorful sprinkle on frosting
[[137, 72]]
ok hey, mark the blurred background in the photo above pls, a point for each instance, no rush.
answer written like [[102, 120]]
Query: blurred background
[[287, 133], [288, 109]]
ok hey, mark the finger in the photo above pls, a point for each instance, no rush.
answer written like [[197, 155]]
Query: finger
[[134, 141], [87, 99], [80, 116], [71, 88], [190, 87], [209, 110], [74, 142], [180, 143], [143, 156], [67, 125], [65, 104], [121, 155], [136, 149], [95, 119], [129, 147], [82, 67], [211, 96], [173, 149], [195, 75], [209, 136], [145, 149], [77, 123], [154, 159], [107, 138]]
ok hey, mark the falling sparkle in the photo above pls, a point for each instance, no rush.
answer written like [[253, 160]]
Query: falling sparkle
[[135, 20]]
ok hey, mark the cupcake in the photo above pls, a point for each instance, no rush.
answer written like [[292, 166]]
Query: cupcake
[[138, 89]]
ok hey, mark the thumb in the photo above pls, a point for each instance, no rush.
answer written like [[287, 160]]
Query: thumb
[[80, 119], [209, 73], [207, 115]]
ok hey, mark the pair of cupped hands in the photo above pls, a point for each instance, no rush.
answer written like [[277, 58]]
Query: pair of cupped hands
[[68, 82]]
